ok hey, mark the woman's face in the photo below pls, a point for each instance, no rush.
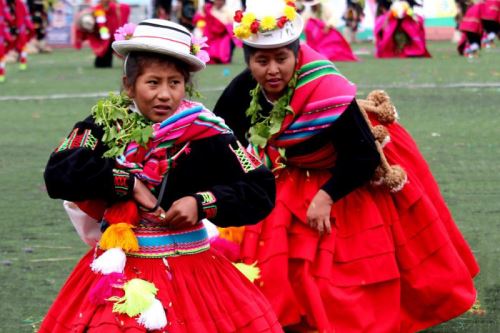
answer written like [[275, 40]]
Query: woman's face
[[158, 91], [273, 69]]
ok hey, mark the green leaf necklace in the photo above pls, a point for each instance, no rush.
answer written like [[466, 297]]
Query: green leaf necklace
[[265, 126], [120, 125]]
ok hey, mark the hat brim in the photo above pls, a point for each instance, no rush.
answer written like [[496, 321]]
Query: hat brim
[[124, 47], [261, 43]]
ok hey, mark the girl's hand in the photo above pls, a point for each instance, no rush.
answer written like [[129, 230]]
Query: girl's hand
[[143, 196], [318, 213], [183, 213]]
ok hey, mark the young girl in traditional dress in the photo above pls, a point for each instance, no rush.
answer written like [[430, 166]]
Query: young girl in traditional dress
[[160, 163], [340, 253]]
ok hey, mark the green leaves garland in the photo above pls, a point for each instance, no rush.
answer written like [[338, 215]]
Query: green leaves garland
[[264, 127], [120, 125]]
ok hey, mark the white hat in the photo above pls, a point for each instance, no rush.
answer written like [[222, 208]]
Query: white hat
[[161, 36], [268, 24], [311, 2]]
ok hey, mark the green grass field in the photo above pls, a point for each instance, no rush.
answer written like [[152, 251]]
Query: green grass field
[[449, 104]]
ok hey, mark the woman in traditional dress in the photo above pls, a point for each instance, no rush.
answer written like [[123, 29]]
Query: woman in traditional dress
[[21, 30], [400, 33], [340, 253], [321, 33], [5, 36], [216, 24]]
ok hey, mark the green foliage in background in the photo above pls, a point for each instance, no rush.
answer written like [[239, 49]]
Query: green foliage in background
[[449, 104]]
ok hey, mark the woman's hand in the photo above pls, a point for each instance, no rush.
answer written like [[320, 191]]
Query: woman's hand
[[183, 213], [143, 196], [318, 213]]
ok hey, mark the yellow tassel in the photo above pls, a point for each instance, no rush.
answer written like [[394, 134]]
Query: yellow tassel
[[119, 235], [251, 272], [139, 296], [232, 234]]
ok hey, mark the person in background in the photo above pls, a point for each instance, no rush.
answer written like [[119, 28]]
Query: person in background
[[97, 25], [39, 15], [5, 36], [382, 7], [216, 24], [161, 163], [353, 16], [360, 239], [21, 30], [162, 9], [321, 33], [472, 31], [185, 13], [490, 18], [400, 32]]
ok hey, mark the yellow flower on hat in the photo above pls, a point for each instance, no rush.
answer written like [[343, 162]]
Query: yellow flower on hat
[[290, 13], [268, 23], [248, 19], [242, 31], [99, 12]]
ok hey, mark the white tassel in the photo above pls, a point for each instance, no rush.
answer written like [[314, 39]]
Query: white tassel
[[154, 318], [111, 261], [386, 140]]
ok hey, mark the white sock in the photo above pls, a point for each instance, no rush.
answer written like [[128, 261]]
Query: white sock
[[474, 47]]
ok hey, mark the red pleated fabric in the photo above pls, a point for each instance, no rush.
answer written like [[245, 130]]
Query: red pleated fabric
[[403, 150], [203, 293], [389, 265]]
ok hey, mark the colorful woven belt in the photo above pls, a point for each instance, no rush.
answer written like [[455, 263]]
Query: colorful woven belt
[[160, 242]]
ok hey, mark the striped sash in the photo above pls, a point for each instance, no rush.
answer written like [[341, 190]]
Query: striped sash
[[161, 242]]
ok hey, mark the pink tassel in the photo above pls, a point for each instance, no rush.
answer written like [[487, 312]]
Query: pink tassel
[[229, 249], [103, 289]]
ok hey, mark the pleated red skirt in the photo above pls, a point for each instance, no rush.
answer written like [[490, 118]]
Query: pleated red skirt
[[394, 262], [205, 293]]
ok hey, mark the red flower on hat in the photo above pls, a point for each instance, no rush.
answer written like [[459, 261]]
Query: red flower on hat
[[254, 27], [238, 16], [291, 4], [281, 21]]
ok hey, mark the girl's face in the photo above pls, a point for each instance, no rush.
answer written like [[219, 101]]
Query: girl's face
[[273, 69], [158, 91]]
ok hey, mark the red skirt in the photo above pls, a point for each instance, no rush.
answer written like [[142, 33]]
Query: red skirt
[[204, 293], [394, 262]]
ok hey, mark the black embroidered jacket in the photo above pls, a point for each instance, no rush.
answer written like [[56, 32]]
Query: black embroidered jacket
[[356, 153], [232, 187]]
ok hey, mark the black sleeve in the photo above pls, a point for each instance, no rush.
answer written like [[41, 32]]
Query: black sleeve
[[232, 104], [248, 192], [357, 155], [77, 171]]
